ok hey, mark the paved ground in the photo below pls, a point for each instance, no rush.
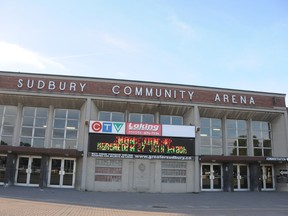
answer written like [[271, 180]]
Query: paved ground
[[63, 202]]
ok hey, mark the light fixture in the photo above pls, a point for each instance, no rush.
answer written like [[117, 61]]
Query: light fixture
[[216, 129], [70, 128]]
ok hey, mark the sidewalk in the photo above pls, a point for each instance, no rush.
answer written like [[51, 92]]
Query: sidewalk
[[51, 201]]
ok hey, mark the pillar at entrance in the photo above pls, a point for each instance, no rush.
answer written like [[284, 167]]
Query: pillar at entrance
[[9, 178], [255, 177], [44, 172], [228, 185]]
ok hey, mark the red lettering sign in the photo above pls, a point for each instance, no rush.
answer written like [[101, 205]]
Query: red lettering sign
[[143, 129], [96, 126]]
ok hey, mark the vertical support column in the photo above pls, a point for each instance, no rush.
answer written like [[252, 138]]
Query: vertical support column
[[17, 129], [126, 118], [255, 177], [157, 117], [197, 174], [152, 179], [250, 138], [190, 176], [49, 129], [228, 185], [286, 128], [85, 146], [44, 171], [9, 178], [158, 173], [224, 135]]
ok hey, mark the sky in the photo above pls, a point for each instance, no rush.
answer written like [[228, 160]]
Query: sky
[[234, 44]]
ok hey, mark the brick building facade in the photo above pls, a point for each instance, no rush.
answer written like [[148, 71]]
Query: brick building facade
[[121, 135]]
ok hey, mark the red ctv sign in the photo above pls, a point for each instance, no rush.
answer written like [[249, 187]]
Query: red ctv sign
[[143, 129], [96, 126]]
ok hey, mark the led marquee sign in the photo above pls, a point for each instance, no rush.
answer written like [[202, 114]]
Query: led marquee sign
[[129, 144], [141, 140]]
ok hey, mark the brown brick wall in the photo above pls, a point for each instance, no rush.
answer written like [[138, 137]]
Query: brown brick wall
[[103, 88]]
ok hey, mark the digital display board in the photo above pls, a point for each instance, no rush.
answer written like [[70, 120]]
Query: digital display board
[[129, 144]]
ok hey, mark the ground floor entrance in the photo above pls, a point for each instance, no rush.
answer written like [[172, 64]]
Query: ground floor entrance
[[62, 172], [211, 177], [267, 177], [141, 175], [241, 177], [37, 170], [237, 177], [3, 161], [28, 170]]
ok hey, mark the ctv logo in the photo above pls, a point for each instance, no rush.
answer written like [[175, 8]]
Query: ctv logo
[[107, 127]]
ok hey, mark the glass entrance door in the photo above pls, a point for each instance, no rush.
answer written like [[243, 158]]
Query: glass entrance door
[[62, 172], [28, 170], [267, 175], [3, 160], [241, 177], [211, 177]]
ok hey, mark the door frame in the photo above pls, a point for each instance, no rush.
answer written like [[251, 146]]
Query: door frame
[[211, 175], [30, 157], [272, 177], [238, 180], [4, 155], [62, 174]]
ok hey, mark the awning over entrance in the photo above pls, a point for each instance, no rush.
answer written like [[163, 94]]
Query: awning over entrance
[[55, 152], [241, 159]]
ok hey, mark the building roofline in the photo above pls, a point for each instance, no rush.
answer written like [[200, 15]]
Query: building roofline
[[139, 81]]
